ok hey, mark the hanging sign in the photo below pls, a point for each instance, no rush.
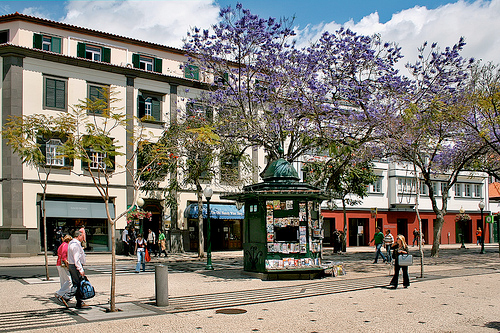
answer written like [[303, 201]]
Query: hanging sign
[[489, 219]]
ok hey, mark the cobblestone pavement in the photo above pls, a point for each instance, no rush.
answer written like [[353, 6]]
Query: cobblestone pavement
[[457, 285]]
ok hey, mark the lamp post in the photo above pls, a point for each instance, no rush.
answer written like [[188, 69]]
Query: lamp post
[[462, 211], [483, 225], [140, 203], [208, 194]]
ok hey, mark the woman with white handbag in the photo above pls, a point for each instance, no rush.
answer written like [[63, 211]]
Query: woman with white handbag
[[400, 254]]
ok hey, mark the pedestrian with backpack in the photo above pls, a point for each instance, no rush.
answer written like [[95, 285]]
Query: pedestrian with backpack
[[76, 260]]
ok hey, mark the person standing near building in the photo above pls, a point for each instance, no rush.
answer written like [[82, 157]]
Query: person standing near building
[[76, 260], [388, 241], [378, 238], [479, 235], [416, 233], [132, 235], [162, 244], [140, 249], [151, 242], [125, 241], [400, 247], [64, 293]]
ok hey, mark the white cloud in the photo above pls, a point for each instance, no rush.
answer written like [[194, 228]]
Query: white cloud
[[162, 22], [477, 21]]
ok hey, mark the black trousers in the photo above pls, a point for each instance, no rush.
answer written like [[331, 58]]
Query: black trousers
[[395, 278], [76, 278]]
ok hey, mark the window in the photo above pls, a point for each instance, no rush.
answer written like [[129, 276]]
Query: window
[[200, 111], [100, 154], [477, 191], [406, 185], [4, 36], [424, 190], [53, 155], [468, 190], [229, 168], [376, 187], [93, 52], [458, 189], [47, 43], [192, 72], [54, 94], [149, 106], [146, 63], [443, 188], [98, 97], [50, 146], [97, 160]]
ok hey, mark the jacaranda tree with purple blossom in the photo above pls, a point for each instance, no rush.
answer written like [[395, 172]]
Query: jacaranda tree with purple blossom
[[427, 132]]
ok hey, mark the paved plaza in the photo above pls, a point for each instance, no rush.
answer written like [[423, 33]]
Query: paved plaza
[[458, 293]]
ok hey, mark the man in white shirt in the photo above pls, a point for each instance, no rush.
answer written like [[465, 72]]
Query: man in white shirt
[[125, 241], [76, 260]]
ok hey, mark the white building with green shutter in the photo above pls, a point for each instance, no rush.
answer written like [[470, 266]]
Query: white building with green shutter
[[49, 66]]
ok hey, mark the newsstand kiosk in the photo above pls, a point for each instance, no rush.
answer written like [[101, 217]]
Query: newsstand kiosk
[[283, 227]]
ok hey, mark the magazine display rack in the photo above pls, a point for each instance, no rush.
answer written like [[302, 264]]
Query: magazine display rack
[[283, 227]]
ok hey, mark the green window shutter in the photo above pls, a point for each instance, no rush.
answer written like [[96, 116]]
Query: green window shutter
[[37, 41], [158, 65], [135, 61], [81, 50], [60, 94], [140, 106], [43, 148], [192, 72], [95, 93], [56, 45], [50, 93], [156, 112], [106, 54]]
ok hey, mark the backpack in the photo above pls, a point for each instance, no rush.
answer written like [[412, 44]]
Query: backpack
[[86, 289]]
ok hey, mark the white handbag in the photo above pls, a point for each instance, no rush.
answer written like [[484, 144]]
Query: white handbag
[[405, 260]]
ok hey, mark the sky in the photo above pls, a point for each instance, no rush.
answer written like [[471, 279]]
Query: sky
[[408, 23]]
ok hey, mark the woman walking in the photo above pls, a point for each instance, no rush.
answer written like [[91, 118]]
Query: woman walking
[[399, 247], [140, 249]]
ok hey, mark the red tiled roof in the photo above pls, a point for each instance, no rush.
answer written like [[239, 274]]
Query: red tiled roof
[[494, 190], [96, 33]]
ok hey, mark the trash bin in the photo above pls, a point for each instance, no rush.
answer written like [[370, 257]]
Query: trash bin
[[161, 285]]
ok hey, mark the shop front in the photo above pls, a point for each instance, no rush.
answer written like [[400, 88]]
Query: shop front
[[70, 215], [226, 226]]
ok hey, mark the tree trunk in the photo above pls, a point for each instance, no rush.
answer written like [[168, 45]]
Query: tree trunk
[[112, 300], [344, 238], [438, 226], [45, 238]]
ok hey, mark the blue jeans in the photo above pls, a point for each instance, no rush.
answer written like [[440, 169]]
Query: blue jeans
[[141, 259], [379, 251]]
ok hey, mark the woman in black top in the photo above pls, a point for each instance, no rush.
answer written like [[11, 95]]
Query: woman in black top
[[399, 247]]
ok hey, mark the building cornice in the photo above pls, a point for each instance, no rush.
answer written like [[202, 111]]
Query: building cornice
[[19, 51]]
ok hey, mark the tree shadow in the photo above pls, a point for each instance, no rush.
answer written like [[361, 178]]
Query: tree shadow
[[493, 324]]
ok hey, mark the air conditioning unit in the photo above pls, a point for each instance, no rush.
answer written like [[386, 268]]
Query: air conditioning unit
[[126, 64]]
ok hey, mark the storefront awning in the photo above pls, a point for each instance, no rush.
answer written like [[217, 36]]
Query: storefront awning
[[217, 211], [77, 209]]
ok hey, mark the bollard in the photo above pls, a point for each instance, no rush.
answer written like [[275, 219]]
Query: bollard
[[161, 285]]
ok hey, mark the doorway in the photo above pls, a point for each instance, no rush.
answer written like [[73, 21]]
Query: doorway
[[402, 225], [358, 232]]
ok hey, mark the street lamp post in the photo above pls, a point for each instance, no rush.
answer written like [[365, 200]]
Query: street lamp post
[[462, 227], [140, 203], [483, 234], [208, 194]]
